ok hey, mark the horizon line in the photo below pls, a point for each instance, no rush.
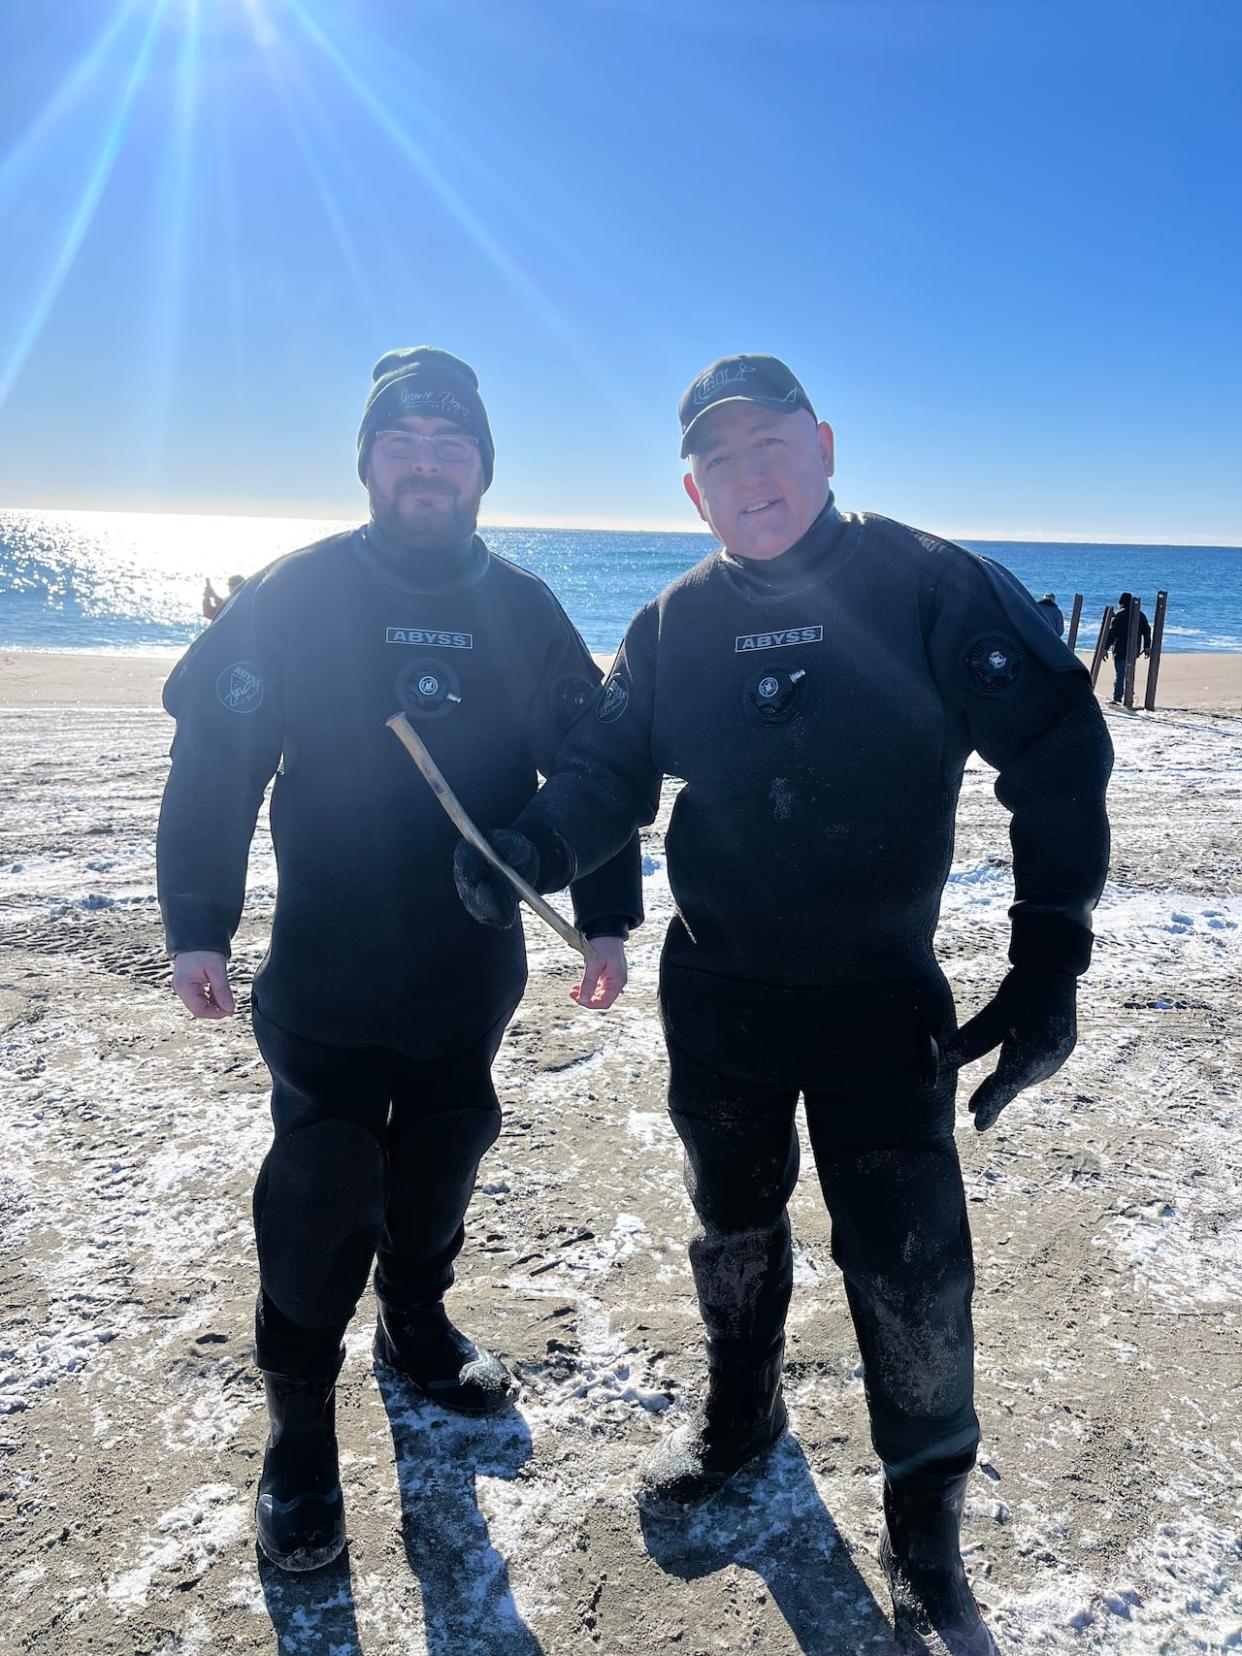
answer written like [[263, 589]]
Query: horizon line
[[648, 526]]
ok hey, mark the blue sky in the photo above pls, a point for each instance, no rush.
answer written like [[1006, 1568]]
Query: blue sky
[[999, 242]]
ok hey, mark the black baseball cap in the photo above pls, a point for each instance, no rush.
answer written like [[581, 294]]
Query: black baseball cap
[[758, 379]]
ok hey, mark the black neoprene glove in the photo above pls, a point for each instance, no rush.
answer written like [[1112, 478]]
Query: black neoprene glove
[[540, 856], [1033, 1019]]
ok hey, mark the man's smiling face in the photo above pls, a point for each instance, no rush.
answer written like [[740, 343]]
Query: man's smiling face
[[422, 498], [759, 476]]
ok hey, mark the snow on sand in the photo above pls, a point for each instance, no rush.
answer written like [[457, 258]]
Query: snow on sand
[[1105, 1512]]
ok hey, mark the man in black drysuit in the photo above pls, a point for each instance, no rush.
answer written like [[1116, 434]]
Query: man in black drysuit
[[1118, 641], [818, 685], [380, 1004]]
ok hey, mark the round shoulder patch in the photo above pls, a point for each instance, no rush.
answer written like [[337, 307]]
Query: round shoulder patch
[[240, 687], [570, 698], [614, 701], [993, 664]]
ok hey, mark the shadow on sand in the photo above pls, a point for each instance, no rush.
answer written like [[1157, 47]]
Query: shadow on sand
[[312, 1614], [468, 1608], [771, 1520]]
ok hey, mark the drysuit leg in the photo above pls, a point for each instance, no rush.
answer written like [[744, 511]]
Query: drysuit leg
[[890, 1175], [741, 1167], [318, 1202], [444, 1118]]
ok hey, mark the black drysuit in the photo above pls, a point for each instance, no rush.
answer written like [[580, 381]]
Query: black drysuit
[[819, 708], [380, 1004]]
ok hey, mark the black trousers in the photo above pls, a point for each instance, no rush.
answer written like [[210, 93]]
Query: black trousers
[[880, 1121], [374, 1157]]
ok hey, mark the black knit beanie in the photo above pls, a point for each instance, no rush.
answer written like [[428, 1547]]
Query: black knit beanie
[[423, 380]]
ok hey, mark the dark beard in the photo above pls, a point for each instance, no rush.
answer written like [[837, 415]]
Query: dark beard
[[441, 535]]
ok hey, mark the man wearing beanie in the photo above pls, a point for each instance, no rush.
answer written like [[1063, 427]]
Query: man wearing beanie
[[379, 1005], [818, 684]]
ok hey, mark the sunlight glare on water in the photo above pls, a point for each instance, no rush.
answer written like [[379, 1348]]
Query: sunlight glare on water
[[127, 580]]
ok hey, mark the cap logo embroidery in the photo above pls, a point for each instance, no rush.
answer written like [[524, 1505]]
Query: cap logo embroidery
[[440, 402], [708, 387]]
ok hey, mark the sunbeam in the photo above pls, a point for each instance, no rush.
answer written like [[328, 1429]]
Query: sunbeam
[[228, 242], [83, 214], [24, 151], [170, 252], [328, 198], [518, 279]]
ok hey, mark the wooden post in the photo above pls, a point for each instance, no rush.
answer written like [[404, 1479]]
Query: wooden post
[[1099, 644], [1075, 617], [1157, 636], [1132, 637]]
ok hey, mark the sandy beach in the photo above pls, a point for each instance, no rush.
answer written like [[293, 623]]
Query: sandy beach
[[1105, 1208]]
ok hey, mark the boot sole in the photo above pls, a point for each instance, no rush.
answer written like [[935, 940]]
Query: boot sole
[[385, 1352]]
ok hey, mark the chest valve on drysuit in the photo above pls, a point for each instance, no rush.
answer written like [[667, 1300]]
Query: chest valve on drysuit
[[428, 689], [772, 693]]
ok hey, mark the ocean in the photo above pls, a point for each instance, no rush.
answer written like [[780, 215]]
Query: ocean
[[132, 582]]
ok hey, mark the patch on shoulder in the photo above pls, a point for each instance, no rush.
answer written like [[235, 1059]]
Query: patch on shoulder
[[240, 688], [614, 701], [994, 662], [571, 697]]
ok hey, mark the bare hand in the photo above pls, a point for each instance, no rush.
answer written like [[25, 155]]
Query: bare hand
[[603, 977], [201, 980]]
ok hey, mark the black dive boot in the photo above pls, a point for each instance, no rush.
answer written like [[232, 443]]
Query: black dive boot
[[744, 1415], [300, 1512], [425, 1349], [933, 1606]]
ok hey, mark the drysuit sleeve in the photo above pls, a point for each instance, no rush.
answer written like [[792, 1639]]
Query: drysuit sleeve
[[605, 784], [1024, 703], [225, 694], [607, 900]]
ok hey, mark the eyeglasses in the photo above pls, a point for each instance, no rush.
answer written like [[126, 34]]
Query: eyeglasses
[[451, 448]]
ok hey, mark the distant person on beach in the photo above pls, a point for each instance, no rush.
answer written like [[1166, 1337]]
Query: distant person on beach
[[818, 684], [1052, 614], [1118, 641], [212, 601], [380, 1004]]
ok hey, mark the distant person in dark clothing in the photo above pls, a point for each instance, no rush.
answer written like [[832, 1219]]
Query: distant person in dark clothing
[[1118, 642], [1051, 612], [213, 603]]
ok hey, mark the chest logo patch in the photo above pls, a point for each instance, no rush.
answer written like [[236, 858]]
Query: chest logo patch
[[429, 635], [994, 663], [240, 688], [614, 701], [777, 639]]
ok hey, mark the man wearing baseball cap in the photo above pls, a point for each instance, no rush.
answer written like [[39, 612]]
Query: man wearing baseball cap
[[379, 1005], [818, 684]]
